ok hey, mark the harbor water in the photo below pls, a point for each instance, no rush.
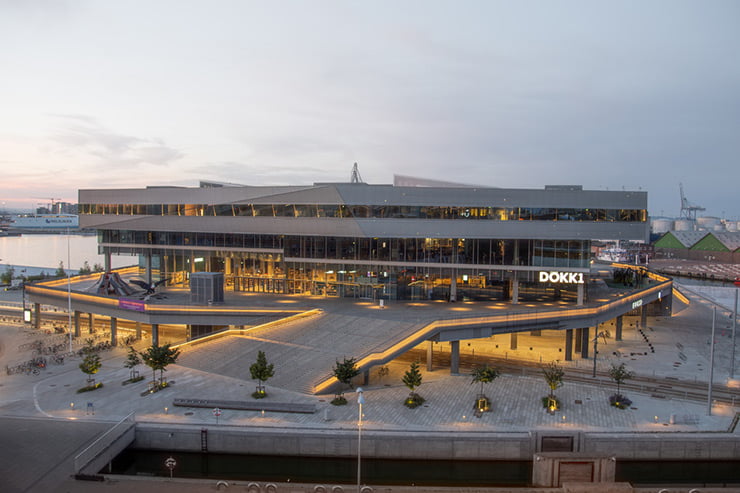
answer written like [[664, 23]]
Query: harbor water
[[36, 253]]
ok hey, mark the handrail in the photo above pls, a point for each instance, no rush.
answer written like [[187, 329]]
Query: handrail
[[97, 446]]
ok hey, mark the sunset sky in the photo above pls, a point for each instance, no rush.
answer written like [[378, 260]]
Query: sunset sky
[[609, 95]]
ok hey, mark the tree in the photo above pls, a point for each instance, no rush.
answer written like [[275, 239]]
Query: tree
[[90, 364], [261, 371], [132, 361], [553, 374], [60, 272], [98, 268], [412, 379], [159, 358], [619, 374], [85, 269], [483, 374], [7, 276], [344, 372]]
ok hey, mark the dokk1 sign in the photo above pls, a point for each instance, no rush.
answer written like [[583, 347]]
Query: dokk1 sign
[[562, 277]]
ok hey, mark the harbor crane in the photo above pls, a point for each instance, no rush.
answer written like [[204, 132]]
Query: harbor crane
[[688, 210]]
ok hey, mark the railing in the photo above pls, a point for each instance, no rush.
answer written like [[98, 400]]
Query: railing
[[105, 441]]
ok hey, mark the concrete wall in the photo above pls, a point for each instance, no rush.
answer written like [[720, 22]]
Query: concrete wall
[[338, 443], [435, 445]]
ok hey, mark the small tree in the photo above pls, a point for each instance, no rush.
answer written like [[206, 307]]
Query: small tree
[[344, 372], [553, 374], [483, 374], [98, 268], [261, 371], [85, 269], [412, 379], [159, 358], [90, 365], [619, 374], [7, 276], [60, 272], [132, 361]]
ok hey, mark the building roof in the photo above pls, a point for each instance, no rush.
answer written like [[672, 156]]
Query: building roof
[[680, 239]]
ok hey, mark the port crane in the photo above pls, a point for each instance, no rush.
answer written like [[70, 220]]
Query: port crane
[[688, 209]]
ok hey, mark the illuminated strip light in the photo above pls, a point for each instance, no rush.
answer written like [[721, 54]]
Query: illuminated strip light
[[87, 277], [678, 294], [298, 316], [101, 300], [426, 330]]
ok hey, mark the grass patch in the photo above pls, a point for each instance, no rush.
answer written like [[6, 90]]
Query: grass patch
[[90, 388], [339, 401], [132, 380], [414, 400], [619, 401]]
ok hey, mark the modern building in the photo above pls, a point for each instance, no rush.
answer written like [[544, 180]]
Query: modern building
[[367, 241]]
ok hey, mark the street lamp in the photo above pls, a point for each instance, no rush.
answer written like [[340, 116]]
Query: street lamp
[[69, 294], [360, 402], [596, 342]]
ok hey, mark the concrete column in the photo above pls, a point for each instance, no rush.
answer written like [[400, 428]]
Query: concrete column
[[138, 331], [37, 315], [148, 267], [430, 354], [580, 294], [584, 342], [155, 334], [513, 340], [106, 261], [454, 357], [643, 316], [579, 338], [453, 285], [77, 323], [515, 290], [90, 323], [366, 377], [569, 345], [619, 324], [113, 330]]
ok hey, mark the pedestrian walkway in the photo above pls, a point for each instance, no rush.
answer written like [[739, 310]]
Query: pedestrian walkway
[[449, 398]]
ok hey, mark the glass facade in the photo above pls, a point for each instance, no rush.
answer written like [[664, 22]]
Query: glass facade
[[391, 268], [370, 212]]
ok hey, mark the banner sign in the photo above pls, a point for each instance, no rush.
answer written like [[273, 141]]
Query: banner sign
[[135, 305]]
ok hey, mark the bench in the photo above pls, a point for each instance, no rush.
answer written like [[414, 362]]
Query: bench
[[280, 407]]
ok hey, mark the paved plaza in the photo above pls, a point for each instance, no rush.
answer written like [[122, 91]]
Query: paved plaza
[[220, 370]]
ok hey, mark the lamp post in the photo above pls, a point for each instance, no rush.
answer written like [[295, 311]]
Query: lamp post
[[360, 402], [69, 294], [711, 363], [734, 331], [596, 342]]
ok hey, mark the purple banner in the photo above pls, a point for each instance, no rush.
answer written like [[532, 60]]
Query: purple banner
[[138, 306]]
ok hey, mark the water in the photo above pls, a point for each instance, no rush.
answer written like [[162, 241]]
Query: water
[[320, 470], [43, 252], [469, 473]]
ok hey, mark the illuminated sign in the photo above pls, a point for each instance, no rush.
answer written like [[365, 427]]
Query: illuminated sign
[[562, 277], [126, 304], [637, 304], [26, 315]]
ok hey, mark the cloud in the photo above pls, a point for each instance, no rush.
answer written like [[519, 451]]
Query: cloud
[[82, 134]]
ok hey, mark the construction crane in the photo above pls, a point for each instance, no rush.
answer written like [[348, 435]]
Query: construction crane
[[688, 210], [49, 206]]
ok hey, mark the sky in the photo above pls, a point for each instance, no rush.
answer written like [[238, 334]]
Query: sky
[[610, 95]]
